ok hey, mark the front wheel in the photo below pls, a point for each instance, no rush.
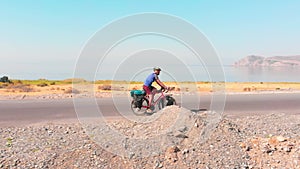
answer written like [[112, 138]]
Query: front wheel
[[167, 101], [162, 103], [139, 109], [171, 101]]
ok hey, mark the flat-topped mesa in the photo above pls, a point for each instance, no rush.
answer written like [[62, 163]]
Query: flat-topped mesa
[[254, 60]]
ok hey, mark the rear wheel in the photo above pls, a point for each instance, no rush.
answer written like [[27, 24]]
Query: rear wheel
[[140, 110]]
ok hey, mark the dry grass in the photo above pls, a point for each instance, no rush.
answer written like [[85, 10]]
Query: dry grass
[[20, 88], [104, 87], [71, 91], [261, 86], [44, 87]]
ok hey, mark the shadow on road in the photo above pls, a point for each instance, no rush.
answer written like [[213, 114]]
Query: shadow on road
[[198, 110]]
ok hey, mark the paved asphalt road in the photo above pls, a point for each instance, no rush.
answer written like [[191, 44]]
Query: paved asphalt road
[[14, 112]]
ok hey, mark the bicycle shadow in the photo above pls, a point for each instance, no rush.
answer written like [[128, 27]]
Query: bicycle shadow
[[192, 110], [198, 110]]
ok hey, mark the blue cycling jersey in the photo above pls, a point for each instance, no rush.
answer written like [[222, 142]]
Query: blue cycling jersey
[[150, 79]]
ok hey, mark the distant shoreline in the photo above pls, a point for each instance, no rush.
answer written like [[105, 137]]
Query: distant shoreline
[[70, 81]]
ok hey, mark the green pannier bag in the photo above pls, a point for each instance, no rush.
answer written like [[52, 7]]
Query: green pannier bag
[[137, 92]]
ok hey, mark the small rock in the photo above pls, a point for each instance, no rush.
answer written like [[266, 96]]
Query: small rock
[[273, 141], [131, 155], [183, 129], [287, 149], [185, 151], [23, 97], [156, 164], [243, 145], [96, 152], [281, 139], [172, 149], [180, 135], [171, 154]]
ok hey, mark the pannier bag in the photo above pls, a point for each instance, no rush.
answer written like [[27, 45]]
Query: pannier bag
[[138, 96], [137, 92]]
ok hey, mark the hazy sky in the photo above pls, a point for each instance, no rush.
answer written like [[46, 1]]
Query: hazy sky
[[42, 39]]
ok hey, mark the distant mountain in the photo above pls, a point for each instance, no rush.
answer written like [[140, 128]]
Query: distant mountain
[[269, 61]]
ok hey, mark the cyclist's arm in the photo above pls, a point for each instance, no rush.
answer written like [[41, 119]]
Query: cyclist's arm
[[161, 84]]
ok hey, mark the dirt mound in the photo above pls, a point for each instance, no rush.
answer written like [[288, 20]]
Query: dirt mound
[[171, 138]]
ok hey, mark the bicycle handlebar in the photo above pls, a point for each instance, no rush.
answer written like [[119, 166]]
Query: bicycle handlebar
[[164, 90]]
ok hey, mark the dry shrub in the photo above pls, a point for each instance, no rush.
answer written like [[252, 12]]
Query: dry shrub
[[70, 81], [43, 84], [10, 91], [72, 91], [21, 88], [3, 85], [247, 89], [117, 88], [104, 87], [18, 82]]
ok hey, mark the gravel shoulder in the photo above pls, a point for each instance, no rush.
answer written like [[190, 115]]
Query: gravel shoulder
[[260, 141]]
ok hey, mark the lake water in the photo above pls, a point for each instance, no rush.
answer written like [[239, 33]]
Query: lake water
[[239, 74], [262, 74], [232, 74]]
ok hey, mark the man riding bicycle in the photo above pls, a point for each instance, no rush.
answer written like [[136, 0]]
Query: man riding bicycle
[[149, 89]]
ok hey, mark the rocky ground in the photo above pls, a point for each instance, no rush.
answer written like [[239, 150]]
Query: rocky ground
[[171, 138]]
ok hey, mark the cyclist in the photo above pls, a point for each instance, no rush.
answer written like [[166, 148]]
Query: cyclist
[[149, 89]]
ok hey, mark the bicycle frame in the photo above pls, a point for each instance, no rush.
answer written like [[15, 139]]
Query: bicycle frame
[[162, 95]]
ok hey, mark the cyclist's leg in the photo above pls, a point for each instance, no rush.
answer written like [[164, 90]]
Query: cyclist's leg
[[154, 90], [149, 94], [150, 100]]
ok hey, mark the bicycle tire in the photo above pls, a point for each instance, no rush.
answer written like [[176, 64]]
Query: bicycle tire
[[172, 101], [162, 103], [167, 101], [142, 110]]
